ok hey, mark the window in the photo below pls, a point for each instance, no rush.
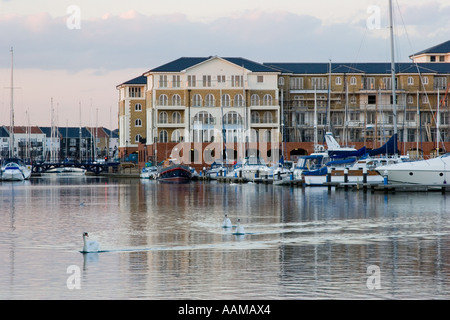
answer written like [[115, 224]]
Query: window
[[192, 81], [237, 81], [176, 100], [176, 82], [410, 116], [369, 83], [296, 83], [281, 81], [259, 79], [232, 117], [207, 81], [425, 99], [319, 83], [371, 99], [176, 117], [410, 99], [353, 81], [138, 123], [425, 80], [176, 136], [163, 100], [352, 100], [220, 79], [371, 117], [163, 117], [204, 117], [238, 100], [137, 107], [440, 83], [267, 100], [134, 92], [137, 138], [163, 136], [163, 81], [255, 117], [209, 100], [225, 100], [197, 100], [254, 100], [338, 81], [410, 81], [267, 117], [432, 58]]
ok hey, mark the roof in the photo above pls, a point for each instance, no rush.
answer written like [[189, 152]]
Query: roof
[[141, 80], [440, 48], [367, 68], [3, 132], [183, 63]]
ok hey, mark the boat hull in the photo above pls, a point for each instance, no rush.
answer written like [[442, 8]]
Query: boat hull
[[15, 171], [426, 172], [175, 174]]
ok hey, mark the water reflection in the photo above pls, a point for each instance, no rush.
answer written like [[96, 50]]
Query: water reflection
[[165, 241]]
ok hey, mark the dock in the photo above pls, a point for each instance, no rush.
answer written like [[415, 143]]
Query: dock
[[390, 187]]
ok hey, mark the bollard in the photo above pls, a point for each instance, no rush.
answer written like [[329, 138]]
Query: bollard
[[364, 175], [346, 175], [329, 178], [385, 175]]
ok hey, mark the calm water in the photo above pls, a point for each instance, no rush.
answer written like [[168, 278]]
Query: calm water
[[165, 241]]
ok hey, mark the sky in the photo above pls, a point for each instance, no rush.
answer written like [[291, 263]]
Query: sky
[[69, 56]]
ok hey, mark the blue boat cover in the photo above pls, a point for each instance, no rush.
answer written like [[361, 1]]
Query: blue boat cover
[[388, 148]]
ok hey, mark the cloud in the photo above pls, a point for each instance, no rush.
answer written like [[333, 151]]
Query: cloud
[[133, 40]]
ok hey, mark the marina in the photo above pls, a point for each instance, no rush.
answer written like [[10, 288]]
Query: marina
[[298, 243]]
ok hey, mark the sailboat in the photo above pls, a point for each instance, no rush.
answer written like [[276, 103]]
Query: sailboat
[[13, 168], [433, 171]]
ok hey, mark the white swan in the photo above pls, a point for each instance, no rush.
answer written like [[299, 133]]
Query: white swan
[[239, 229], [226, 222], [89, 245]]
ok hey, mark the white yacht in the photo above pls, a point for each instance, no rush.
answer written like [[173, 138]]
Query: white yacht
[[14, 169], [432, 171]]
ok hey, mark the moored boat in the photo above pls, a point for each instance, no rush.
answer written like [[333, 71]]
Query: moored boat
[[426, 172], [14, 169], [175, 173]]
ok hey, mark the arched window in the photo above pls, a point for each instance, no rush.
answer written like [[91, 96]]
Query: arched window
[[176, 136], [232, 117], [163, 100], [267, 117], [209, 100], [137, 138], [138, 123], [197, 100], [138, 107], [176, 100], [254, 100], [238, 100], [353, 81], [225, 100], [163, 117], [267, 100], [163, 136], [176, 117], [255, 117], [203, 117]]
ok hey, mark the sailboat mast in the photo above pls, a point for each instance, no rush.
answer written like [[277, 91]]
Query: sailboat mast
[[11, 116], [393, 83]]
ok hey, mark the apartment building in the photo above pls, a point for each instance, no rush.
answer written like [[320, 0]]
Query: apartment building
[[199, 101]]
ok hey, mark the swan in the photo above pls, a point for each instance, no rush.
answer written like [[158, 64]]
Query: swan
[[226, 222], [89, 245], [239, 229]]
